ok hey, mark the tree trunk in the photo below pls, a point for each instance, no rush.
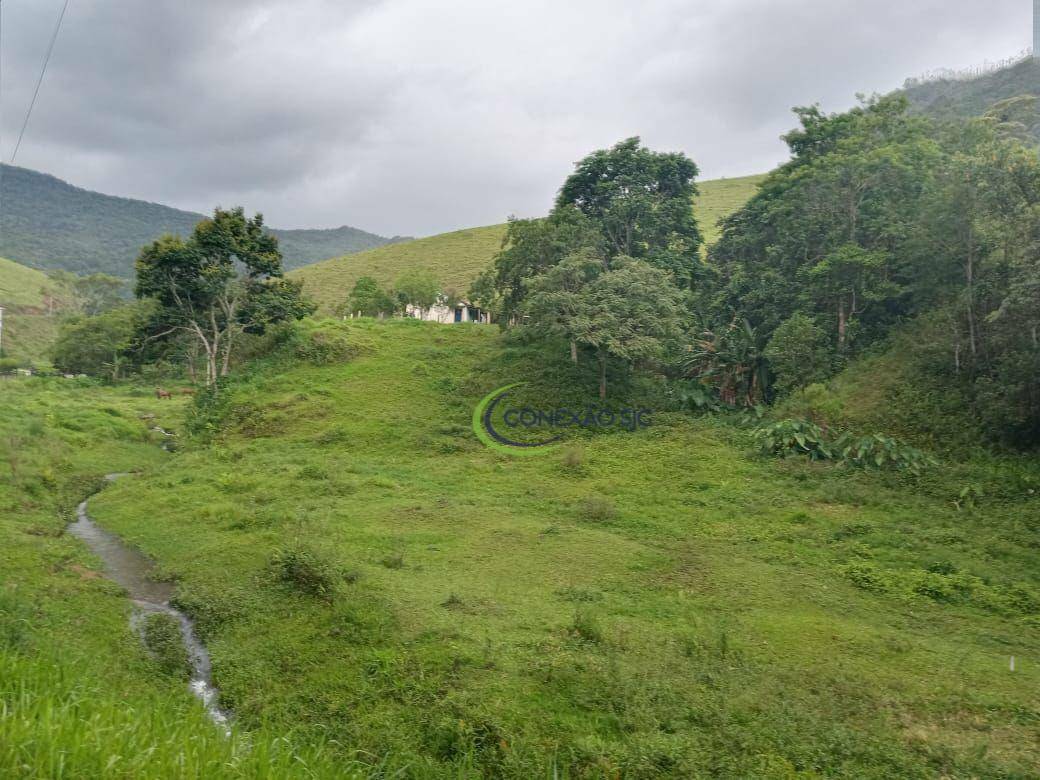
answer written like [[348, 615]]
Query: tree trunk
[[602, 376], [574, 352], [969, 273], [193, 355], [841, 325]]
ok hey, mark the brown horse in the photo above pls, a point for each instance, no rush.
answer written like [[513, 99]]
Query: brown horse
[[160, 393]]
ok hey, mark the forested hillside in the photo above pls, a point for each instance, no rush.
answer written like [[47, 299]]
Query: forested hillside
[[47, 223], [886, 223], [1012, 94]]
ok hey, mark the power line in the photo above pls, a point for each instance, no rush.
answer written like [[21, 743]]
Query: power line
[[39, 82]]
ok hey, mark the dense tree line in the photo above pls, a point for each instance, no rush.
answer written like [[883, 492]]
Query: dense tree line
[[881, 218]]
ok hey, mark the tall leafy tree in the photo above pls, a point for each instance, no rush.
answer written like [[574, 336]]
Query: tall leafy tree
[[368, 299], [218, 284], [530, 247], [558, 303], [101, 344], [625, 313], [417, 288], [640, 201]]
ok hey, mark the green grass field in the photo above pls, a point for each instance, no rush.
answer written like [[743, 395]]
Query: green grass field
[[457, 258], [20, 286], [665, 603], [28, 331], [79, 695]]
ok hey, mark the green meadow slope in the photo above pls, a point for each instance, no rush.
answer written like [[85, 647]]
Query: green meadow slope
[[20, 286], [79, 694], [457, 258], [721, 197], [28, 330], [656, 604]]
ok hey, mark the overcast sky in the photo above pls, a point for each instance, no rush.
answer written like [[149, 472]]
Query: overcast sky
[[414, 117]]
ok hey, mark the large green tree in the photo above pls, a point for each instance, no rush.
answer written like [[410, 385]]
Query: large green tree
[[606, 269], [101, 344], [223, 281], [368, 299], [641, 203], [626, 313]]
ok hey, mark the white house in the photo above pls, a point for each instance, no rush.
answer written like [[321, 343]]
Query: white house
[[463, 311]]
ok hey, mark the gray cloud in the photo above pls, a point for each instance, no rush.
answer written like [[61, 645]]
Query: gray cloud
[[405, 116]]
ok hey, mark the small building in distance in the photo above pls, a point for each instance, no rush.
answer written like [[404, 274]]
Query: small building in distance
[[462, 311]]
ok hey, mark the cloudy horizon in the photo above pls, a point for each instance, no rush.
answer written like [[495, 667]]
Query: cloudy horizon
[[397, 117]]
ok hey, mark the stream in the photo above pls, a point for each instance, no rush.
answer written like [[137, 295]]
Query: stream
[[131, 569]]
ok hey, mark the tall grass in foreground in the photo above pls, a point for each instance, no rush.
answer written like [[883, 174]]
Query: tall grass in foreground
[[54, 725]]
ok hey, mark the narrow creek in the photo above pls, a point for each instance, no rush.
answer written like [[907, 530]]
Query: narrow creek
[[132, 569]]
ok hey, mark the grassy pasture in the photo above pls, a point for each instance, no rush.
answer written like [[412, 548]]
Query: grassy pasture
[[27, 332], [79, 695], [662, 604], [20, 286], [721, 197]]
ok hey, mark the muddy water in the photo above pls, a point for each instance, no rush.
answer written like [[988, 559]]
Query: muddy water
[[131, 569]]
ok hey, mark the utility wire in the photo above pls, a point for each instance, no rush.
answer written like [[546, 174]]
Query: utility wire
[[39, 82]]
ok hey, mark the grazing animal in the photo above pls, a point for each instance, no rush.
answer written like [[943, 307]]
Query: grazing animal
[[187, 391], [160, 393]]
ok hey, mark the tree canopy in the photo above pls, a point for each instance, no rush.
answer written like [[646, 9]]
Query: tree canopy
[[221, 282]]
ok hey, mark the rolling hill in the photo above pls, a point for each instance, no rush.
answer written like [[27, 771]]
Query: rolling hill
[[953, 98], [48, 223], [457, 258], [27, 328], [20, 286], [661, 603]]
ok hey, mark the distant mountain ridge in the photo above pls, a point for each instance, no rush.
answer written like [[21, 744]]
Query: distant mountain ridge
[[47, 223]]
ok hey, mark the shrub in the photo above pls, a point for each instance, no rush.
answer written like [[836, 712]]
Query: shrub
[[598, 509], [307, 570], [393, 561], [325, 342], [573, 458], [586, 626], [801, 437], [879, 450], [794, 437], [797, 353], [163, 638]]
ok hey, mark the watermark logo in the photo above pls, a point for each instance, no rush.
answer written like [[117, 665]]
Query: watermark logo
[[516, 424]]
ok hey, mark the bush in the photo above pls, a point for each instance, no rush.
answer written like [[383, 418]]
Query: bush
[[307, 570], [801, 437], [586, 626], [598, 509], [324, 342], [794, 437], [8, 365], [879, 451], [573, 458], [798, 353]]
